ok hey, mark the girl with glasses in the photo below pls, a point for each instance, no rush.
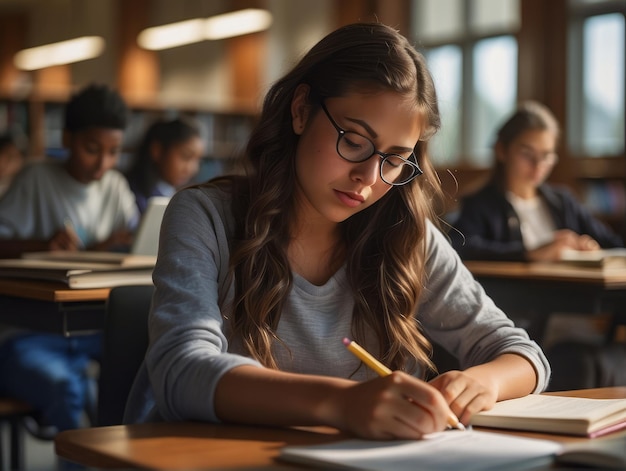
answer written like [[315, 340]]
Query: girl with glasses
[[517, 216], [329, 234]]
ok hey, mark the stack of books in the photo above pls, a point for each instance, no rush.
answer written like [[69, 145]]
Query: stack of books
[[82, 270]]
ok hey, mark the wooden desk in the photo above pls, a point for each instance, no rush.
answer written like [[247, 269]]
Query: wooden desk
[[51, 307], [535, 290], [190, 445]]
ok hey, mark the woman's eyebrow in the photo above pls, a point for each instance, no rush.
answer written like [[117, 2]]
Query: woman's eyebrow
[[373, 133], [364, 125]]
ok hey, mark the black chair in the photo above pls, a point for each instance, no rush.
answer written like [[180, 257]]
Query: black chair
[[125, 344], [12, 412]]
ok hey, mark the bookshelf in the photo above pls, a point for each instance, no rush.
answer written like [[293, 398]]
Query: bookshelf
[[39, 120], [601, 183]]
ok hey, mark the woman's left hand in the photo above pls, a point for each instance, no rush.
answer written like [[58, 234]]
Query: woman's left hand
[[465, 394]]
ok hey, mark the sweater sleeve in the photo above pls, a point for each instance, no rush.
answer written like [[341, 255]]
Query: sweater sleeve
[[458, 315], [188, 351]]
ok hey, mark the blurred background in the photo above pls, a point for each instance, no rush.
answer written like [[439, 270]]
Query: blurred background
[[170, 58], [485, 55]]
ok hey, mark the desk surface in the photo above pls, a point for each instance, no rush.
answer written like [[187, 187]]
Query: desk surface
[[49, 291], [189, 445], [51, 307], [610, 278]]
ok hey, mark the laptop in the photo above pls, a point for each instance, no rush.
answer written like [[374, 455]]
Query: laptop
[[147, 236]]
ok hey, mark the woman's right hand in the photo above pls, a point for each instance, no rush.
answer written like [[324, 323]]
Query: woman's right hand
[[563, 239], [397, 406]]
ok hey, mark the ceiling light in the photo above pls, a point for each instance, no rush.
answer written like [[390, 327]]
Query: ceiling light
[[64, 52], [172, 35], [236, 23]]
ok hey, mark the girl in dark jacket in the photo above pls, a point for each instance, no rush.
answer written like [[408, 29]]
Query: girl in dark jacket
[[517, 216]]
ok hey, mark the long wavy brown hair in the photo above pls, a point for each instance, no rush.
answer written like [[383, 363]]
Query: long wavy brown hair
[[384, 244]]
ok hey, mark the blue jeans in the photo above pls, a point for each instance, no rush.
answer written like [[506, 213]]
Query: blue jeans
[[49, 372]]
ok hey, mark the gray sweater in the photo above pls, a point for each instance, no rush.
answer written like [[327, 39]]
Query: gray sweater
[[190, 348]]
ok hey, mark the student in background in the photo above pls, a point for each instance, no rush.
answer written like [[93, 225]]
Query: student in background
[[330, 234], [82, 202], [167, 159], [518, 216], [11, 161]]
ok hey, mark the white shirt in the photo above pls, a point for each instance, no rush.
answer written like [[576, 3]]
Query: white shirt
[[536, 223], [44, 197]]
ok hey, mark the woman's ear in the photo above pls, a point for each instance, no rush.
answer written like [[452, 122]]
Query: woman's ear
[[300, 108]]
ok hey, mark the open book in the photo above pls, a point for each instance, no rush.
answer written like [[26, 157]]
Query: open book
[[452, 450], [609, 258], [81, 273], [556, 414]]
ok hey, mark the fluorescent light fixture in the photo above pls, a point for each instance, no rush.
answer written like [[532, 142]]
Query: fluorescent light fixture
[[236, 23], [64, 52], [172, 35]]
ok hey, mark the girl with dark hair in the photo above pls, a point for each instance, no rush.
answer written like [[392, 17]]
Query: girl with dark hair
[[166, 160], [329, 234], [517, 216]]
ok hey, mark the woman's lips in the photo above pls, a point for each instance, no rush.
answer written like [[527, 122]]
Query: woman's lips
[[350, 199]]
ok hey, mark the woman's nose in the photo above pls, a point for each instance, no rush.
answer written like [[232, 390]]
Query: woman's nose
[[367, 172]]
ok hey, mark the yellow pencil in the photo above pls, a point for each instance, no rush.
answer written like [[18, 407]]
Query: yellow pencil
[[382, 370]]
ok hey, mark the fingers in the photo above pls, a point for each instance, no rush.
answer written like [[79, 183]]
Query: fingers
[[65, 240], [586, 243], [563, 239], [465, 395], [396, 406]]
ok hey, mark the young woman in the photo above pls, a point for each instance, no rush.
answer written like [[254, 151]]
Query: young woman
[[329, 235], [517, 216], [166, 160]]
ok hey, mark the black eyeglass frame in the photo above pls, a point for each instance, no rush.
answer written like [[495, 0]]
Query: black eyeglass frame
[[417, 171]]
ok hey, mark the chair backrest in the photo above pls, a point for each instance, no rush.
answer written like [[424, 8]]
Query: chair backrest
[[125, 345]]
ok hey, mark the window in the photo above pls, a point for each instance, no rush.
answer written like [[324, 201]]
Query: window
[[472, 53], [596, 97]]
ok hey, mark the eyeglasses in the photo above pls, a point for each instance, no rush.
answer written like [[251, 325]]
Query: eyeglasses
[[546, 159], [394, 169]]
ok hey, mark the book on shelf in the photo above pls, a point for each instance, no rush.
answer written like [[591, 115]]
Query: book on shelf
[[79, 274], [469, 450], [603, 258], [556, 414]]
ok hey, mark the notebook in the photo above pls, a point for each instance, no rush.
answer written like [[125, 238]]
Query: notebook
[[147, 237], [444, 451]]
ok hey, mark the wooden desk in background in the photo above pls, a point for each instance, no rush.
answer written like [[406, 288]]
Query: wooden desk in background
[[533, 291], [195, 445], [51, 307]]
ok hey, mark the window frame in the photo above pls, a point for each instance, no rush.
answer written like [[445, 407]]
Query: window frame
[[577, 14], [467, 41]]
